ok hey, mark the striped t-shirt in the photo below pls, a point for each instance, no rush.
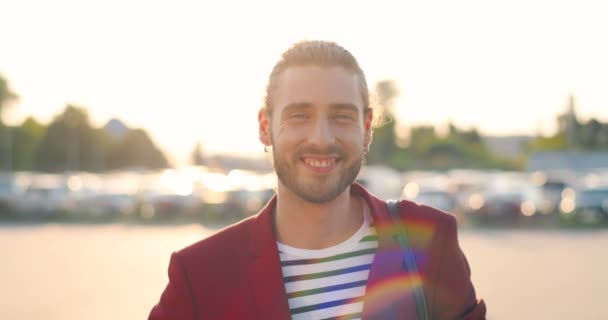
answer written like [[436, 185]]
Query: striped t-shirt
[[329, 283]]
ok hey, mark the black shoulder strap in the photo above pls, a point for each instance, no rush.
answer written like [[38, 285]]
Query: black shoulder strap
[[408, 259]]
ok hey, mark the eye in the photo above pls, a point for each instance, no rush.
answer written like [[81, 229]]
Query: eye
[[299, 116], [344, 117]]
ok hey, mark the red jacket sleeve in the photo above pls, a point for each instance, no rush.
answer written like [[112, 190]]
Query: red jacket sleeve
[[454, 296], [176, 302]]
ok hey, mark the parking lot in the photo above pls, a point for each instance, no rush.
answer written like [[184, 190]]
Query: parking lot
[[115, 271]]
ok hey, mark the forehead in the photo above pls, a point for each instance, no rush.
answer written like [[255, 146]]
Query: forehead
[[317, 85]]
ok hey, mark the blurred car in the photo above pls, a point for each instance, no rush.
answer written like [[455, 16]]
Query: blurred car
[[431, 196], [12, 187], [8, 190], [552, 184], [239, 193], [439, 199], [510, 203], [381, 181], [552, 190], [167, 193], [104, 195], [45, 195], [109, 204], [587, 205]]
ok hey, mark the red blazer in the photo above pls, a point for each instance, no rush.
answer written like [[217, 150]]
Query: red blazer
[[236, 273]]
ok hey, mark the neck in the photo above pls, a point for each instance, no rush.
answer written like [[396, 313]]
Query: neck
[[306, 225]]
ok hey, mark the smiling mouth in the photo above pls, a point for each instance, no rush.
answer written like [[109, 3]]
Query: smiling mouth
[[320, 164]]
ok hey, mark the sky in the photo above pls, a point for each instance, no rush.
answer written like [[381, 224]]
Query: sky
[[190, 70]]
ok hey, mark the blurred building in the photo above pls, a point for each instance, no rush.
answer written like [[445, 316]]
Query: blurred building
[[507, 146], [580, 161], [116, 128], [568, 122]]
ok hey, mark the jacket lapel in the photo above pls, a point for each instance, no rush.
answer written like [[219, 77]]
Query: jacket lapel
[[264, 274], [388, 294]]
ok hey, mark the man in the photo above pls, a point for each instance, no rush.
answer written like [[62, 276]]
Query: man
[[323, 247]]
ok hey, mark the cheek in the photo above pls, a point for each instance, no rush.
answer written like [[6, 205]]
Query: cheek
[[280, 136], [352, 134], [289, 133]]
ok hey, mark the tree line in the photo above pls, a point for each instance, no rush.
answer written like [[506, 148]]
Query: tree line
[[421, 147], [573, 134], [69, 142]]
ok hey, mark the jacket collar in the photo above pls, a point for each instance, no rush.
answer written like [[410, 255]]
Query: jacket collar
[[265, 277], [388, 294], [263, 240], [382, 301]]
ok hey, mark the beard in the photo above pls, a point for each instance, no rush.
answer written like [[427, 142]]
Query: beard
[[312, 188]]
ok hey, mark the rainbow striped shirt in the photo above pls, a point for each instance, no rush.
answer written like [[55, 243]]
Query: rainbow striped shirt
[[329, 283]]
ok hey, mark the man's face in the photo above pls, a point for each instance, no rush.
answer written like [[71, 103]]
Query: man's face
[[318, 131]]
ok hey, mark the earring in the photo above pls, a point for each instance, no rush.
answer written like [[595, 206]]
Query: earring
[[266, 149]]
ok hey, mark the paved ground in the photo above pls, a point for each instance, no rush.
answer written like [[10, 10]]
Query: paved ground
[[74, 272]]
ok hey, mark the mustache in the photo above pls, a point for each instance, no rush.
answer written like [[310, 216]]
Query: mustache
[[314, 150]]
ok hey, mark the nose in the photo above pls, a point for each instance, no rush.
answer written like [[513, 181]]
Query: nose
[[321, 134]]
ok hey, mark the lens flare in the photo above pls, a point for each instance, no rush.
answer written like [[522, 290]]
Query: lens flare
[[390, 290]]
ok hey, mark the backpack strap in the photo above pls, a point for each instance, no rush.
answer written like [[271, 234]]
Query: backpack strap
[[408, 258]]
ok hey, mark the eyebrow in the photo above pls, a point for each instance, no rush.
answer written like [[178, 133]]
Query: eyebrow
[[296, 106], [344, 106], [306, 105]]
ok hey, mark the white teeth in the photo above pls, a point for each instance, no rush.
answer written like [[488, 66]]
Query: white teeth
[[319, 163]]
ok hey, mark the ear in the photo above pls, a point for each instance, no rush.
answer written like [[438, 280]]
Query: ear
[[264, 127], [368, 127]]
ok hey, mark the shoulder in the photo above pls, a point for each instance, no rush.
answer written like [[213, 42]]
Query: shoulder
[[220, 246], [430, 227], [410, 211], [425, 214]]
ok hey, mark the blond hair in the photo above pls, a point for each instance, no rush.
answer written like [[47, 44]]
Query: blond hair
[[326, 54]]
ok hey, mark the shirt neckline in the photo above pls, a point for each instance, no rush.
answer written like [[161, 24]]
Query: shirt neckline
[[342, 247]]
